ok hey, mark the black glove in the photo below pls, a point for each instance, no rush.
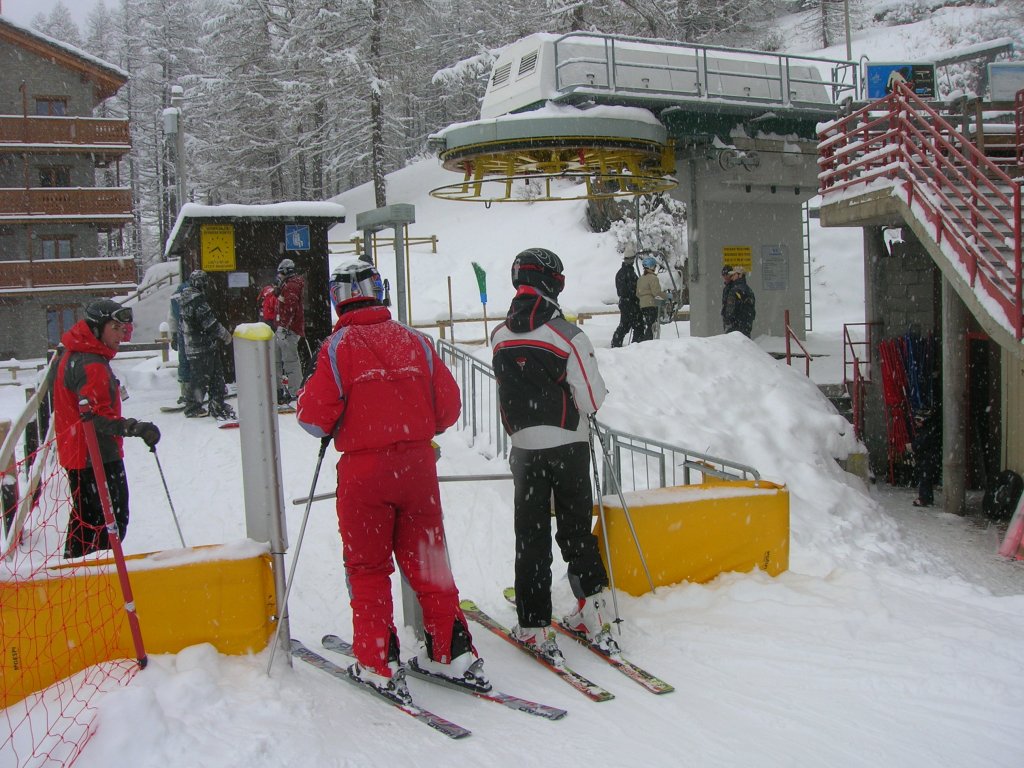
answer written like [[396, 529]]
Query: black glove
[[174, 343], [147, 430]]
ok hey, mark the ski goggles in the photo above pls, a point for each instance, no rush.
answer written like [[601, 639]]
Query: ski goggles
[[123, 315]]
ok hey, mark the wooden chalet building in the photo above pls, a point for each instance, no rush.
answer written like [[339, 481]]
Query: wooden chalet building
[[64, 200]]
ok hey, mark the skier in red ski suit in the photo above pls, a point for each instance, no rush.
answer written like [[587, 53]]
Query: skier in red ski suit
[[84, 373], [380, 391]]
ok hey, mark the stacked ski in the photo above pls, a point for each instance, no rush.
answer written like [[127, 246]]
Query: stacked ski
[[449, 729], [591, 690], [615, 659], [335, 643]]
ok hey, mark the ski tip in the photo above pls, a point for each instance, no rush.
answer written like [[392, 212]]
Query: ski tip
[[468, 605], [509, 593], [228, 425]]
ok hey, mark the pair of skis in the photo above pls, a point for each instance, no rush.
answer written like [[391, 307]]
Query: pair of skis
[[233, 423], [448, 728], [474, 612], [591, 690]]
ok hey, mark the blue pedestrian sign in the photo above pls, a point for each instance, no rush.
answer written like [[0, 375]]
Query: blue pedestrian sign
[[296, 237]]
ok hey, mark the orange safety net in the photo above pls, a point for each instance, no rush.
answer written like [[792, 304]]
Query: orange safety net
[[61, 623]]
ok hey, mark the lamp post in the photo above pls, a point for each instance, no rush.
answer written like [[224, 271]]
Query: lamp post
[[174, 126], [849, 44]]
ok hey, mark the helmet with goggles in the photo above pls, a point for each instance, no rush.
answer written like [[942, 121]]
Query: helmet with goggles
[[101, 311], [355, 281]]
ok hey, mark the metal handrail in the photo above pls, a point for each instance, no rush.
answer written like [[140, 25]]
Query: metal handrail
[[648, 463], [701, 69], [900, 138], [790, 335]]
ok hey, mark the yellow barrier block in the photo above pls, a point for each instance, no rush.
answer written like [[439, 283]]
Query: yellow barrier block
[[695, 532], [49, 630]]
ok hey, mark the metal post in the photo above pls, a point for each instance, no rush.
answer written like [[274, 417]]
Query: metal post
[[849, 43], [262, 487], [403, 311], [177, 99]]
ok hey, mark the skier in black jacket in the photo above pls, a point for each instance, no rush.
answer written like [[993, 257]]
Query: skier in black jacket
[[738, 307], [204, 336], [548, 386], [927, 448], [629, 304]]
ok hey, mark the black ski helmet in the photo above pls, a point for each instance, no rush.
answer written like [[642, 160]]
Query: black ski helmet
[[540, 268], [286, 268], [101, 311], [199, 280]]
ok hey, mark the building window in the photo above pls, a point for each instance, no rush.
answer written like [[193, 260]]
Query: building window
[[55, 176], [52, 106], [56, 246], [58, 321]]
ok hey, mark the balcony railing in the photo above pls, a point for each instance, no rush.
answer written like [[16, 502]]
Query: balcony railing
[[80, 203], [112, 135], [62, 272]]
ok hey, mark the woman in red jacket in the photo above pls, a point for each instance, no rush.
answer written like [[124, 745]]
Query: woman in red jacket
[[380, 391]]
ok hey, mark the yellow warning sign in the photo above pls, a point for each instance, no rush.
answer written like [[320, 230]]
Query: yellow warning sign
[[218, 247], [738, 256]]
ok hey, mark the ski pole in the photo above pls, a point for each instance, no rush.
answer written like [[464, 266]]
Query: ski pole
[[298, 546], [604, 530], [622, 500], [168, 492]]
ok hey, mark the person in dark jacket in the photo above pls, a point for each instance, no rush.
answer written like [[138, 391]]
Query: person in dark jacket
[[84, 373], [927, 448], [204, 336], [177, 332], [738, 302], [629, 304], [548, 387]]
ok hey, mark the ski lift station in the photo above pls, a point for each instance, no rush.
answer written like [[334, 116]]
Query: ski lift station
[[732, 133]]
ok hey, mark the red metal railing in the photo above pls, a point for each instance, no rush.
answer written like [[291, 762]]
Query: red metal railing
[[857, 371], [1018, 120], [789, 357], [972, 206]]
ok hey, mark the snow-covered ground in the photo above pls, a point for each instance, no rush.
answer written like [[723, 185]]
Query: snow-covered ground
[[894, 638]]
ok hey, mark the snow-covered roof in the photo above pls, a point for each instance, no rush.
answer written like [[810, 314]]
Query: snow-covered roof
[[65, 47], [294, 209]]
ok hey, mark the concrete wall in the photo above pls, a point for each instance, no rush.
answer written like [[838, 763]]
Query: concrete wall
[[23, 319], [42, 78], [902, 294], [747, 199], [1012, 413]]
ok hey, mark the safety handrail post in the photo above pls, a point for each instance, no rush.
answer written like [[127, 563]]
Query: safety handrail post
[[1017, 272]]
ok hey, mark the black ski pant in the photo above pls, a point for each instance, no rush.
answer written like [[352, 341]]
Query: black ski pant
[[629, 322], [207, 371], [648, 319], [87, 531], [563, 472]]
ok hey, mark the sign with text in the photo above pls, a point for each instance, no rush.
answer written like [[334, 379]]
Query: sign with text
[[738, 256], [881, 77], [774, 267], [217, 247]]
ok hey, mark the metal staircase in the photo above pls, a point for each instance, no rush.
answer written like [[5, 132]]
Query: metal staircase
[[898, 156]]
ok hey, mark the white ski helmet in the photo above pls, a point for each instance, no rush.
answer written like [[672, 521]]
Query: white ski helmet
[[286, 267], [355, 281]]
